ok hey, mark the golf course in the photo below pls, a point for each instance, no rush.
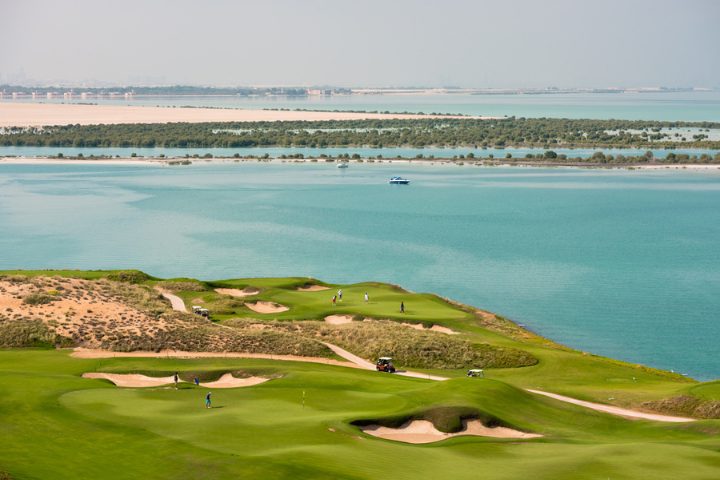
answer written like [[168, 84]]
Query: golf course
[[105, 375]]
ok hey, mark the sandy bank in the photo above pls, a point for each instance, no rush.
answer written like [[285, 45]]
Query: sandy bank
[[41, 114], [338, 319], [436, 162], [313, 288], [234, 292], [434, 328], [267, 307], [423, 431], [134, 380]]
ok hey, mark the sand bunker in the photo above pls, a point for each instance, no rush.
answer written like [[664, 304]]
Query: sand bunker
[[423, 431], [434, 328], [338, 319], [131, 379], [234, 292], [267, 307], [228, 381], [135, 380], [313, 288]]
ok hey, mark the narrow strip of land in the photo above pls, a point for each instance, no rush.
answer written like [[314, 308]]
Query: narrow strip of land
[[43, 114]]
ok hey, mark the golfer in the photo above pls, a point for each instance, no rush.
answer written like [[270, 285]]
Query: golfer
[[208, 402]]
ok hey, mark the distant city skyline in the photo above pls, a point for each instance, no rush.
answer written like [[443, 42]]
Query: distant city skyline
[[457, 43]]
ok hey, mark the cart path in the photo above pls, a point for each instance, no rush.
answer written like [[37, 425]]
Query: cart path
[[353, 361], [176, 302], [362, 363], [621, 412]]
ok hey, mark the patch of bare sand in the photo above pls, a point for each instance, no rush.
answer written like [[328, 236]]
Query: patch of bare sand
[[434, 328], [86, 311], [423, 431], [235, 292], [312, 288], [131, 380], [228, 381], [267, 307], [338, 319], [41, 114]]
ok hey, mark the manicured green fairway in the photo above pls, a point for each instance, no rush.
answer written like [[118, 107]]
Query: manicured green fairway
[[58, 425]]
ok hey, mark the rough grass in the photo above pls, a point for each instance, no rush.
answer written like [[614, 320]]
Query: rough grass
[[183, 285], [129, 276], [25, 332], [39, 298], [195, 337], [686, 405], [408, 347]]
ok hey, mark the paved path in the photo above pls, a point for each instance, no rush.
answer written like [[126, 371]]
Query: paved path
[[176, 302], [622, 412], [364, 364]]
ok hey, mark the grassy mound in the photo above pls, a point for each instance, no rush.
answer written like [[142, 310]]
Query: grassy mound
[[186, 336], [409, 347], [686, 405], [448, 419]]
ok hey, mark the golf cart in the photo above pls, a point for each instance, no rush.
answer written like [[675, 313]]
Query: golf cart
[[475, 372], [384, 364]]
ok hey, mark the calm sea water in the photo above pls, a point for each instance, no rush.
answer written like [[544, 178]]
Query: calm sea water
[[631, 106], [620, 263], [365, 152]]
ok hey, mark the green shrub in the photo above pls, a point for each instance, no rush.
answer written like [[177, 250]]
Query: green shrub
[[39, 298], [129, 276]]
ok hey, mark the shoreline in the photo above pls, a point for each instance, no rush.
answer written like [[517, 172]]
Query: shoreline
[[178, 161], [53, 114]]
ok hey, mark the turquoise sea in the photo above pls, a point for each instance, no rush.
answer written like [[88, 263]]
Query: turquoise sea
[[690, 106], [619, 263]]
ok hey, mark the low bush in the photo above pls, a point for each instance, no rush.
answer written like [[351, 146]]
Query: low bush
[[129, 276]]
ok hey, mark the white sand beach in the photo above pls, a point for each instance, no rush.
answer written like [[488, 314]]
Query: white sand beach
[[42, 114]]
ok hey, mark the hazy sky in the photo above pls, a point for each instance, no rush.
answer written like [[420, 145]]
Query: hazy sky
[[508, 43]]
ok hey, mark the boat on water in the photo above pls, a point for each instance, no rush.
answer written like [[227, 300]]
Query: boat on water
[[399, 181], [342, 165]]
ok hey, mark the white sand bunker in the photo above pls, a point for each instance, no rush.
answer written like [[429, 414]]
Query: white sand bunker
[[267, 307], [434, 328], [423, 431], [338, 319], [135, 380], [228, 381], [234, 292], [131, 379], [312, 288]]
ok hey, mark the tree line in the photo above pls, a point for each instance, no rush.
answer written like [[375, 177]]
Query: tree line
[[422, 132]]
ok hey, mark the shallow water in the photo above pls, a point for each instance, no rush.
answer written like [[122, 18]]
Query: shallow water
[[620, 263], [690, 106]]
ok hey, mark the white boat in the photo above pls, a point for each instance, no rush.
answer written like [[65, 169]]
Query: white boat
[[342, 165], [399, 181]]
